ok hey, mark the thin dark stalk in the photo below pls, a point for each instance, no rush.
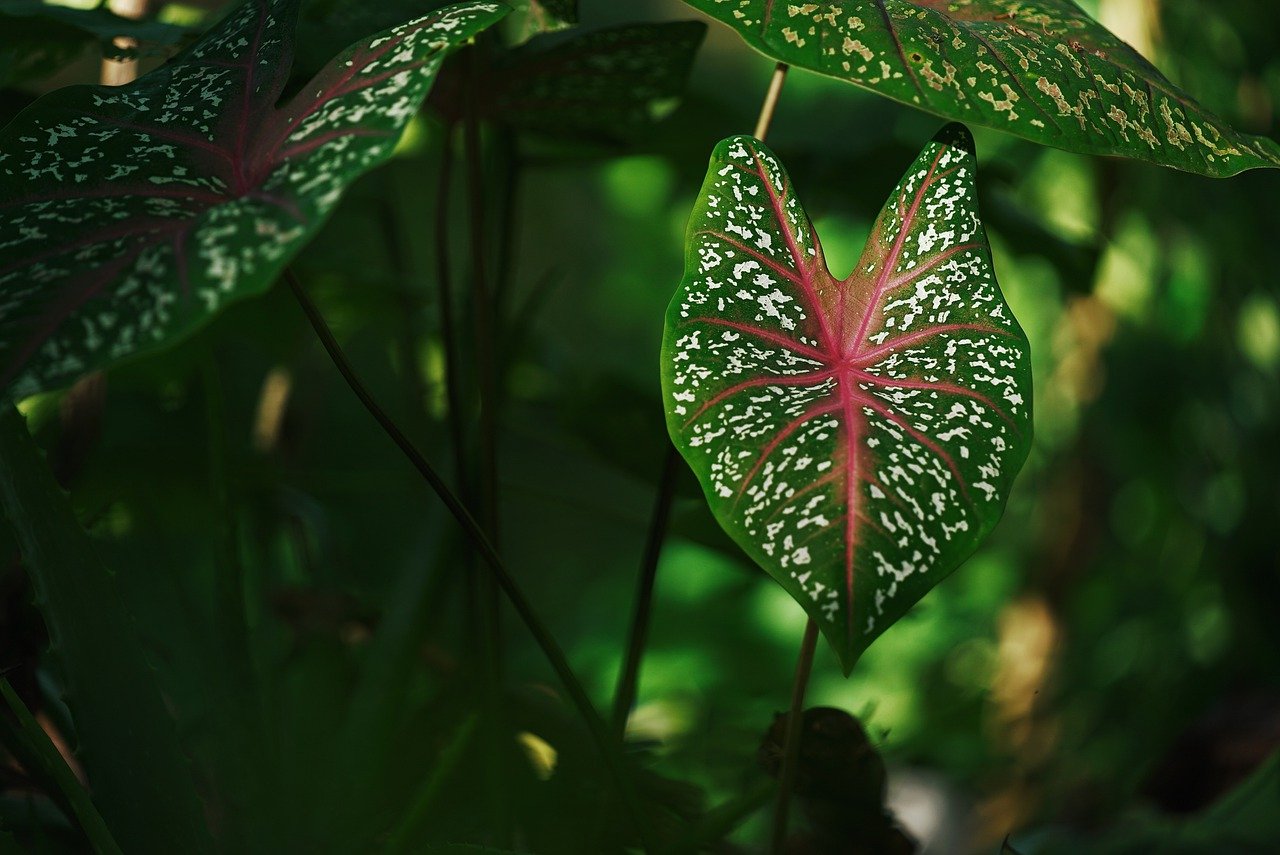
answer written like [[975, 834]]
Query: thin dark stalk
[[444, 297], [483, 315], [791, 745], [508, 236], [483, 310], [605, 744], [628, 679], [625, 693]]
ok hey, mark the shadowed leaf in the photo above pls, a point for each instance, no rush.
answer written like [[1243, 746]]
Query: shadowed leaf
[[1043, 70], [130, 215], [138, 773], [602, 84], [857, 437]]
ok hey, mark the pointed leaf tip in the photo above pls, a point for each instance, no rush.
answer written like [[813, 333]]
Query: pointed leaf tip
[[857, 437]]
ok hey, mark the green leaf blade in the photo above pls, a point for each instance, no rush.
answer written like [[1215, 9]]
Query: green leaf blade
[[140, 777], [132, 214], [857, 437], [1044, 71]]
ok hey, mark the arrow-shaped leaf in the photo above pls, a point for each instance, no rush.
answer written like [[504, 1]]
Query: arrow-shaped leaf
[[1043, 70], [130, 215], [857, 437]]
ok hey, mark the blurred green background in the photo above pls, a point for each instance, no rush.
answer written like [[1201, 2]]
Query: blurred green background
[[1109, 657]]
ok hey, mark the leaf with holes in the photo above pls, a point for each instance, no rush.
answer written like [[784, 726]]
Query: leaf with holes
[[130, 215], [856, 437], [1043, 70], [605, 84]]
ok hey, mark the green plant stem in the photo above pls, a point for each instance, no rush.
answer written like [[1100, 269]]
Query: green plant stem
[[771, 96], [444, 299], [628, 678], [791, 744], [608, 748], [483, 315], [28, 742]]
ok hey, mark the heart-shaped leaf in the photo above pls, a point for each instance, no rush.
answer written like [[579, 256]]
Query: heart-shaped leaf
[[856, 437], [1045, 71], [130, 215], [604, 84]]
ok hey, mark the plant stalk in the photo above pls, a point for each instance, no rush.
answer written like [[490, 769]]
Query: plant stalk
[[628, 679], [444, 299], [791, 744], [487, 452], [609, 750], [770, 104], [625, 693]]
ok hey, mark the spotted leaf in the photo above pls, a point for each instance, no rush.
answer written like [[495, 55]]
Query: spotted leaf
[[130, 215], [605, 84], [1041, 69], [856, 437]]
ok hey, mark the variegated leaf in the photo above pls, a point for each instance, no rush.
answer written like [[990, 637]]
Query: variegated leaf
[[130, 215], [1041, 69], [857, 437]]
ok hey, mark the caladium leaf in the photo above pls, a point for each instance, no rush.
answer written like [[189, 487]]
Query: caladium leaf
[[130, 215], [602, 84], [856, 437], [1043, 70]]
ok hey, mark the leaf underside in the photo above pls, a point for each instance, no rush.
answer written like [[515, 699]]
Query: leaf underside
[[604, 84], [857, 437], [130, 215], [1042, 70]]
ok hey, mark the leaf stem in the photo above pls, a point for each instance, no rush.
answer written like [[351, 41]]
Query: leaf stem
[[625, 693], [444, 297], [609, 751], [791, 744], [28, 742], [487, 452], [770, 104]]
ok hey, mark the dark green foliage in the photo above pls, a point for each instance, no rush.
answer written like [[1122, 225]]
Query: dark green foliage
[[39, 39], [297, 620]]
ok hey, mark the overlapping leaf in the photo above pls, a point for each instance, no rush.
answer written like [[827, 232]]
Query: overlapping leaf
[[128, 216], [857, 437], [604, 83], [1041, 69], [39, 38]]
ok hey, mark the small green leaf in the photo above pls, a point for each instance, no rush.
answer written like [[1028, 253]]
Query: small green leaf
[[603, 84], [856, 437], [139, 776], [1044, 71], [131, 215]]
